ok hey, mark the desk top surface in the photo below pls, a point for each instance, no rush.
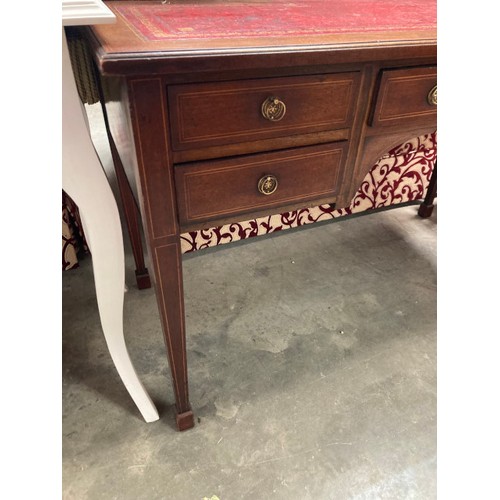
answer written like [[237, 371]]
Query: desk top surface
[[173, 28]]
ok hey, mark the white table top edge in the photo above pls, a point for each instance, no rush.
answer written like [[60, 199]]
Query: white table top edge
[[86, 12]]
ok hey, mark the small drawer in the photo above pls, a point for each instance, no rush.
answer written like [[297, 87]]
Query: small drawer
[[222, 188], [214, 114], [406, 96]]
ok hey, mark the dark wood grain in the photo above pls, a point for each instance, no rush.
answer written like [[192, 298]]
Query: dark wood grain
[[261, 145], [402, 97], [149, 123], [213, 189], [129, 203], [159, 210], [230, 112]]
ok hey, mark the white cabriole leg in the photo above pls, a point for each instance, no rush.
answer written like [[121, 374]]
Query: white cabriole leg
[[85, 182]]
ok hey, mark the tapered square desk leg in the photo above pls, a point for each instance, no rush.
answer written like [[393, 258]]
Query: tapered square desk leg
[[129, 203], [155, 175], [427, 206], [169, 291]]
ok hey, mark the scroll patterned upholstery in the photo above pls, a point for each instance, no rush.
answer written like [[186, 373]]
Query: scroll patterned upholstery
[[73, 239]]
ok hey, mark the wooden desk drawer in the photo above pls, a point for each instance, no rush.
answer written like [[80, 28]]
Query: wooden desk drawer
[[222, 188], [213, 114], [404, 97]]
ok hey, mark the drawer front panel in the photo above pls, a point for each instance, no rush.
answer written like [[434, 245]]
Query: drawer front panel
[[405, 97], [214, 114], [221, 188]]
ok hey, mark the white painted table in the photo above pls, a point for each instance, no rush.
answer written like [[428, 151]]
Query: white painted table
[[86, 183]]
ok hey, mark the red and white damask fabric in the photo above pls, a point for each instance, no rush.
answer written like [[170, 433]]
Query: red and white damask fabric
[[73, 239], [400, 176]]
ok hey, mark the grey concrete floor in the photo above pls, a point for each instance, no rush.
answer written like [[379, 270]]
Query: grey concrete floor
[[312, 364], [312, 368]]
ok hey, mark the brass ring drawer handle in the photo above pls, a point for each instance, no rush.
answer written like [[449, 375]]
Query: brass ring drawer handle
[[268, 184], [273, 109], [432, 96]]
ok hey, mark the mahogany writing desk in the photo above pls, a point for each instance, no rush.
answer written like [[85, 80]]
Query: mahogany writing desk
[[227, 110]]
